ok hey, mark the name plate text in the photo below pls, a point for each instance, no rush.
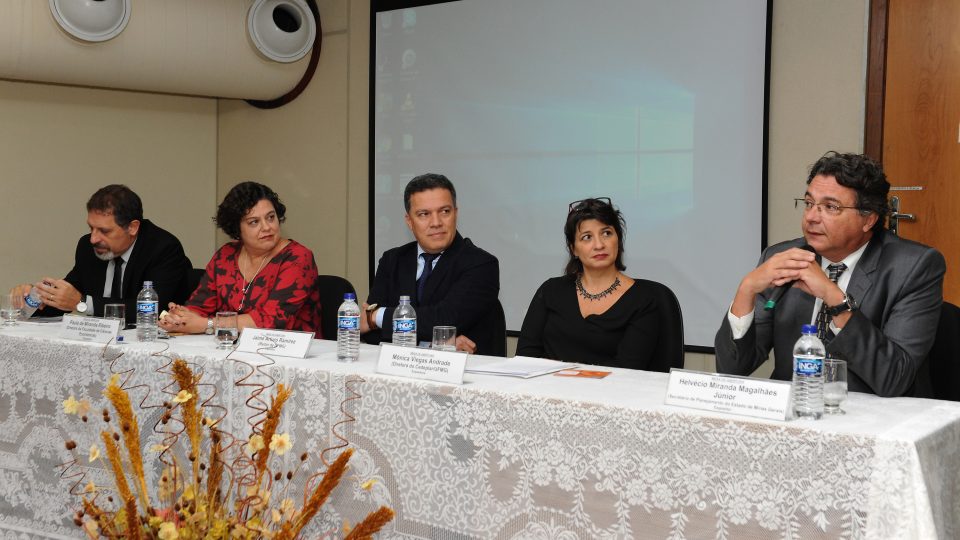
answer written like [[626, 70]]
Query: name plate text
[[426, 364], [93, 329], [762, 398], [275, 342]]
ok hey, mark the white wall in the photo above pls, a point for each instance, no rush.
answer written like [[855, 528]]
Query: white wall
[[59, 144]]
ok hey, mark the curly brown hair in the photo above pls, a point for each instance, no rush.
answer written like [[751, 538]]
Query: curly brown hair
[[239, 201]]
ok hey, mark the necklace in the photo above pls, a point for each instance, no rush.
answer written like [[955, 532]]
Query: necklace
[[243, 294], [599, 295]]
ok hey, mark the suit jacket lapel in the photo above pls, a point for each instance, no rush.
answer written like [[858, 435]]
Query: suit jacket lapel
[[407, 274], [442, 267], [863, 274], [130, 268]]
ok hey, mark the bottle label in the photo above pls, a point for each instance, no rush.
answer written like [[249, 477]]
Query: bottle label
[[404, 325], [146, 307], [808, 366], [348, 323], [31, 302]]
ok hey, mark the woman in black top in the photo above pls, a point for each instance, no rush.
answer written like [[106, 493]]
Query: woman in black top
[[594, 314]]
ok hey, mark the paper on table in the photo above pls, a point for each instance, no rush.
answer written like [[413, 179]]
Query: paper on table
[[520, 366]]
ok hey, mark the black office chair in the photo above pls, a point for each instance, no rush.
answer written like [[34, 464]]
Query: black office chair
[[332, 289], [193, 279], [669, 351], [944, 358], [498, 322]]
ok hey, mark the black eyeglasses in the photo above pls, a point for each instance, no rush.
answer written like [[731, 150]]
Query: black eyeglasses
[[578, 205]]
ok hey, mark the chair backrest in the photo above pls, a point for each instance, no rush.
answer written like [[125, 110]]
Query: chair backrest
[[498, 322], [332, 289], [669, 351], [193, 279], [944, 358]]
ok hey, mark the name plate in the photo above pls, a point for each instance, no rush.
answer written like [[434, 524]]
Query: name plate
[[427, 364], [94, 329], [762, 398], [276, 342]]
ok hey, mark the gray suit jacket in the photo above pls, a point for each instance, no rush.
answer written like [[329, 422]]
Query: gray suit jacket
[[899, 286]]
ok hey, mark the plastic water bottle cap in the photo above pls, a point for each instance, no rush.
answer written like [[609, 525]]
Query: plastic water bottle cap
[[808, 329], [349, 296], [147, 284]]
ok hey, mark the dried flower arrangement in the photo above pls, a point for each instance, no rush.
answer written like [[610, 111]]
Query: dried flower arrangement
[[228, 489]]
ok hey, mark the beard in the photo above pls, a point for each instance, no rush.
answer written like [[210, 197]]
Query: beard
[[107, 256]]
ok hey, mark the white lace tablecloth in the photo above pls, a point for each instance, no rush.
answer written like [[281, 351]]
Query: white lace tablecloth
[[550, 457]]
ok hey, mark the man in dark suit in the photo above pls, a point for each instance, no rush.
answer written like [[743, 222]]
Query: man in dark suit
[[449, 280], [111, 263], [884, 303]]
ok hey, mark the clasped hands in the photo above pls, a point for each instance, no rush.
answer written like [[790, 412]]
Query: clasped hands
[[793, 265], [181, 319]]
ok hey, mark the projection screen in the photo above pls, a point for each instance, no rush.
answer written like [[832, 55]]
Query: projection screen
[[527, 105]]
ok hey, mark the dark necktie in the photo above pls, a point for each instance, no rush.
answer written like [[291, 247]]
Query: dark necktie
[[823, 320], [115, 289], [428, 259]]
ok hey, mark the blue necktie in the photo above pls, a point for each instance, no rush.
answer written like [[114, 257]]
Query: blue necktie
[[428, 259]]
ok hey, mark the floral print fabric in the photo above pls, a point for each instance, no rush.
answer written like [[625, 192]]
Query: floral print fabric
[[283, 295]]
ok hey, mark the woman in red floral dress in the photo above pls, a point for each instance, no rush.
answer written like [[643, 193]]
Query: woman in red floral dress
[[270, 281]]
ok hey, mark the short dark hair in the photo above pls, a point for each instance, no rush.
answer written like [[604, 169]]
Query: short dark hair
[[426, 182], [863, 175], [239, 201], [118, 200], [601, 211]]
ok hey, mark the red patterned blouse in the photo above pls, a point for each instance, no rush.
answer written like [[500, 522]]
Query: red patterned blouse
[[284, 295]]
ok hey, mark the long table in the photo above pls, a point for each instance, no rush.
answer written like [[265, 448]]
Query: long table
[[497, 457]]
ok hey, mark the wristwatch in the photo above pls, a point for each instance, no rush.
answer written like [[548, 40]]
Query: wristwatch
[[848, 304], [209, 330], [82, 308]]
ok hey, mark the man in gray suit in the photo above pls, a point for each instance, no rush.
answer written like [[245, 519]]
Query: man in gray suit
[[884, 302]]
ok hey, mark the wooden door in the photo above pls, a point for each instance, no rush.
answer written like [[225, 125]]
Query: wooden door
[[921, 124]]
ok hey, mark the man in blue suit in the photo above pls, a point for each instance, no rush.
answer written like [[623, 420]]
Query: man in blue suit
[[882, 306], [449, 280]]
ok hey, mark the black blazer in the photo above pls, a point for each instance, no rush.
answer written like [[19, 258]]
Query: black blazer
[[462, 291], [157, 256]]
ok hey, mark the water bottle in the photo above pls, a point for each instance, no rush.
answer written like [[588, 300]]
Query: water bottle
[[405, 324], [30, 302], [808, 355], [147, 307], [348, 329]]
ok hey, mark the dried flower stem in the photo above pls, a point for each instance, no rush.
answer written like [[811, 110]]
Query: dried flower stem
[[371, 524], [319, 496], [269, 428], [96, 513], [214, 476], [131, 436], [191, 414], [113, 455], [134, 532]]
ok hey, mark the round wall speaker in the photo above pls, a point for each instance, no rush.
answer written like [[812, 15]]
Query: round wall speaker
[[282, 30], [91, 20]]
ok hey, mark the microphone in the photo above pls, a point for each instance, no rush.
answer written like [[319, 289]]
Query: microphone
[[781, 290]]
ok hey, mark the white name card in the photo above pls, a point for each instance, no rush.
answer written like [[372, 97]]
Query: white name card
[[93, 329], [276, 342], [427, 364], [763, 398]]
